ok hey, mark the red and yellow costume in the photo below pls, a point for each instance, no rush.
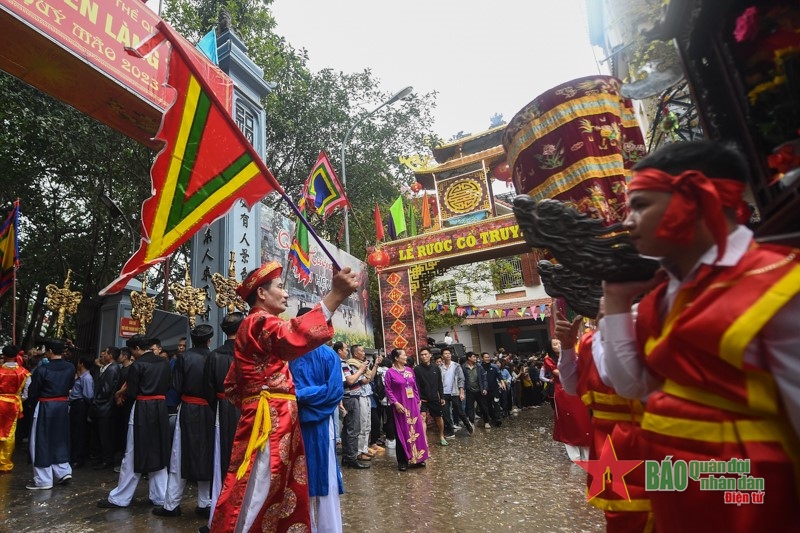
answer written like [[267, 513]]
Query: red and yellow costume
[[571, 423], [12, 382], [620, 418], [713, 404], [260, 385]]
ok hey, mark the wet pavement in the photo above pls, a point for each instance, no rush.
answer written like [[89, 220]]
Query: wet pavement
[[514, 478]]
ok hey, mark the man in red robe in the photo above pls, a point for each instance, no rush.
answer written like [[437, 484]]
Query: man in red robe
[[571, 424], [266, 486], [582, 374], [715, 343]]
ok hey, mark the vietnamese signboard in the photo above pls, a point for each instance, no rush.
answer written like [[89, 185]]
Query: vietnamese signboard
[[74, 50], [128, 327], [99, 31], [495, 233]]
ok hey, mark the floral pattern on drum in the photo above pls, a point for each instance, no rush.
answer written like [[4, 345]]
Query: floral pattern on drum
[[598, 125]]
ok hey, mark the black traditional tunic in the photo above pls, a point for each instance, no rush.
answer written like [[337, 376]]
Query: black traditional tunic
[[148, 381], [50, 385], [196, 417], [217, 367], [105, 385]]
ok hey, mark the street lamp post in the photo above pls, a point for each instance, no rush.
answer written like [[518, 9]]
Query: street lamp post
[[398, 96]]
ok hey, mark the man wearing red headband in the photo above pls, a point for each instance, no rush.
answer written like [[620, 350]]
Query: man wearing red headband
[[715, 344], [266, 486]]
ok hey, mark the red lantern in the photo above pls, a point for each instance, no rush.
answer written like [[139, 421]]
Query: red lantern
[[514, 332], [416, 186], [433, 205], [502, 172], [378, 259]]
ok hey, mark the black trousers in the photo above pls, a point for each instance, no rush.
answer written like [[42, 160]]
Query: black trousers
[[375, 428], [491, 410], [471, 397], [78, 411], [400, 453], [453, 402], [506, 401], [121, 415], [351, 426], [447, 415], [528, 398], [388, 422], [105, 435]]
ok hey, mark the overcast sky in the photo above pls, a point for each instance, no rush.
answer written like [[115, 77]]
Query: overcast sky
[[482, 57]]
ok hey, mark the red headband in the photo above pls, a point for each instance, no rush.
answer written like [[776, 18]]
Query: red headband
[[691, 190], [258, 278]]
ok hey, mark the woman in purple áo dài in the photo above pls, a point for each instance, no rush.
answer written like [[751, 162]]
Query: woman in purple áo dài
[[403, 397]]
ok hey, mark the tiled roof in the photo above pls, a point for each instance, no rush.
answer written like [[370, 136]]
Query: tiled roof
[[490, 153]]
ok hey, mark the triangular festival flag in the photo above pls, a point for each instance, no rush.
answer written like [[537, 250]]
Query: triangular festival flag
[[322, 190], [299, 253], [379, 235], [398, 216], [206, 165], [9, 250], [412, 217], [426, 212], [390, 227], [208, 45]]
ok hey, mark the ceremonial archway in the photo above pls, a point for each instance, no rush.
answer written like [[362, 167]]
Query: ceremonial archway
[[466, 219], [416, 260]]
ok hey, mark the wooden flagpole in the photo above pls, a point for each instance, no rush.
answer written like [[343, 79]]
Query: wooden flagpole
[[14, 279], [14, 309]]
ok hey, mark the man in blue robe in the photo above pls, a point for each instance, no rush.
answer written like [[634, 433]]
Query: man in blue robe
[[49, 443], [319, 388]]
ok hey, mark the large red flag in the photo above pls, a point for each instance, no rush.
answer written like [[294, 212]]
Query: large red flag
[[206, 165], [379, 235]]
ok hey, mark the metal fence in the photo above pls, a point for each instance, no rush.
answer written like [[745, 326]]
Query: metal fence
[[510, 277]]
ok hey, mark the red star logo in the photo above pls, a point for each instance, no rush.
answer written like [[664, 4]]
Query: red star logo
[[608, 469]]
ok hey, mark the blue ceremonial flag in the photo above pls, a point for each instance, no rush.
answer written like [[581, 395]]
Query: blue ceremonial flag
[[390, 229], [208, 45], [322, 190], [9, 250]]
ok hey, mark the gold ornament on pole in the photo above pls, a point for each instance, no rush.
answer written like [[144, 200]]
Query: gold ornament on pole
[[189, 301], [64, 301], [142, 307], [226, 288]]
